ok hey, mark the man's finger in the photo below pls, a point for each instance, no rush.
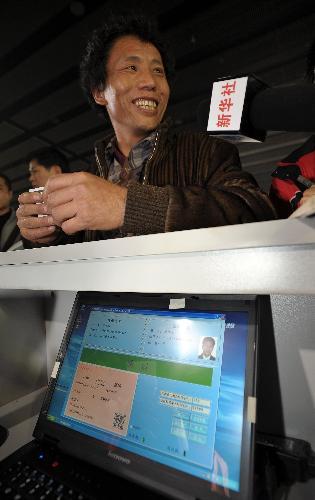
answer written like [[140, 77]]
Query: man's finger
[[63, 212], [39, 234], [30, 198], [32, 210], [35, 222], [62, 181], [72, 226], [59, 197]]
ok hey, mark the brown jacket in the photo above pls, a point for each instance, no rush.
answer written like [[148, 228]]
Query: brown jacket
[[190, 181]]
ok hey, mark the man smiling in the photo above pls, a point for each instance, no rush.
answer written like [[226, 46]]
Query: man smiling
[[147, 178]]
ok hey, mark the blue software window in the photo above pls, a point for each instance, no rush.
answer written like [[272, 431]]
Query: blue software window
[[147, 381]]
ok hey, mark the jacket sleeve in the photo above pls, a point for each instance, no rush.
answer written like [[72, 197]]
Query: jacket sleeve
[[222, 194]]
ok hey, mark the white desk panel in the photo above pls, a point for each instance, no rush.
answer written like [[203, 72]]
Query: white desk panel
[[266, 257]]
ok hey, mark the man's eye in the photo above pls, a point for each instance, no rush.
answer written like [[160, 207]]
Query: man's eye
[[159, 70], [132, 67]]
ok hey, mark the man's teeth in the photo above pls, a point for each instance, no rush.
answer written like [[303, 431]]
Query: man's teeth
[[145, 104]]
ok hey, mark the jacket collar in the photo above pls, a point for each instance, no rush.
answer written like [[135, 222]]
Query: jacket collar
[[165, 135]]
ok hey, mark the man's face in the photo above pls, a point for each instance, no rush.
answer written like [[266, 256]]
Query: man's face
[[207, 347], [5, 196], [38, 174], [136, 92]]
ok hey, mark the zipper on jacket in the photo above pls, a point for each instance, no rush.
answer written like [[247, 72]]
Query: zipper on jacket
[[150, 157], [99, 165], [90, 232], [101, 170]]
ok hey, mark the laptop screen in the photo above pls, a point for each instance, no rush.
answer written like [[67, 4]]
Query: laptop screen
[[162, 382]]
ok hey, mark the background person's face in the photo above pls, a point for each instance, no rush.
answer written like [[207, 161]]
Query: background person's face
[[5, 196], [38, 174], [207, 347], [136, 90]]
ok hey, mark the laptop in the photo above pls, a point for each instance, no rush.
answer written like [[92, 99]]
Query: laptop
[[152, 395]]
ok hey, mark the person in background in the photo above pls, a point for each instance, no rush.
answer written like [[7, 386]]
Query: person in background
[[44, 163], [287, 195], [10, 238], [147, 178]]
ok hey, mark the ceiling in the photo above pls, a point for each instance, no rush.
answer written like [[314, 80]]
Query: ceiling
[[40, 46]]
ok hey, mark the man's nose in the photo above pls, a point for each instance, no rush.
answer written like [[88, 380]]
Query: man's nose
[[147, 80]]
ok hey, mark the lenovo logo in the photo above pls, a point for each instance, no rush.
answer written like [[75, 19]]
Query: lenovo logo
[[119, 458]]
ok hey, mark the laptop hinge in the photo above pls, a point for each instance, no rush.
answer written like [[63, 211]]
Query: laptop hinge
[[48, 440]]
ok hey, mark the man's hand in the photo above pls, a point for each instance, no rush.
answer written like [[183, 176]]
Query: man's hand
[[308, 193], [36, 229], [81, 201]]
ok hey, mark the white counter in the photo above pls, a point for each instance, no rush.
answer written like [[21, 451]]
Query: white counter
[[265, 257], [276, 258]]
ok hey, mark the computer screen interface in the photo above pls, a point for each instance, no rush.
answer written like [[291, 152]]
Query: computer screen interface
[[165, 384]]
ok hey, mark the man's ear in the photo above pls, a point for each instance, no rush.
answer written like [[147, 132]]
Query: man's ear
[[55, 169], [99, 97]]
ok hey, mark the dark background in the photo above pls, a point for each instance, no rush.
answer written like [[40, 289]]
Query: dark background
[[40, 46]]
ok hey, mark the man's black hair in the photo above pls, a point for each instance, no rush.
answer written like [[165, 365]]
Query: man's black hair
[[311, 63], [7, 181], [95, 56], [49, 157]]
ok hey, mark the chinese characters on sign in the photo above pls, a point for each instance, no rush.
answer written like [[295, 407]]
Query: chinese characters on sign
[[226, 106], [224, 119]]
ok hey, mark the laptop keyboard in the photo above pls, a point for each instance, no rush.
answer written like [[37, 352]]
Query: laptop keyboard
[[22, 481], [41, 473]]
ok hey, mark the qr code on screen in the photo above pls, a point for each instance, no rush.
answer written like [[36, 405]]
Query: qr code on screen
[[119, 421]]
